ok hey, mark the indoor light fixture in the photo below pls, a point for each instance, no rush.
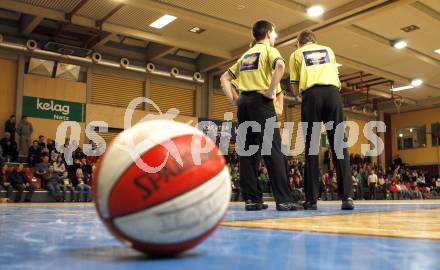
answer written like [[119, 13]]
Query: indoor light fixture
[[400, 44], [437, 51], [315, 11], [163, 21], [196, 30], [416, 82], [402, 88]]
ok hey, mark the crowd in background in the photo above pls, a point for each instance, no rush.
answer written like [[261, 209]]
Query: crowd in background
[[370, 181], [46, 168], [43, 168]]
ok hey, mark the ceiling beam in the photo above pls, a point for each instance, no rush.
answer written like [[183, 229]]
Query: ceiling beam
[[432, 13], [372, 70], [387, 43], [288, 35], [103, 40], [120, 50], [378, 71], [174, 61], [76, 9], [189, 45], [358, 10], [206, 62], [108, 15], [113, 28], [156, 51], [296, 7], [190, 15], [29, 23]]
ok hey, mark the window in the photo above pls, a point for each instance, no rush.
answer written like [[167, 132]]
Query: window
[[411, 137], [435, 133]]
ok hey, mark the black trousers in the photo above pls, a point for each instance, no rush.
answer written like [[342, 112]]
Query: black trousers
[[20, 188], [253, 106], [324, 103]]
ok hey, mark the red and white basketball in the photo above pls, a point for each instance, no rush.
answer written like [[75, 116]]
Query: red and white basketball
[[172, 209]]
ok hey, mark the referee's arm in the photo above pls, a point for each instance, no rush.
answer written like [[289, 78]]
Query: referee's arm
[[294, 88], [294, 68], [228, 88]]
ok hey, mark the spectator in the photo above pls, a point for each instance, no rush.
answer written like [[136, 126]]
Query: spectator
[[59, 166], [382, 184], [54, 154], [86, 167], [78, 153], [51, 182], [24, 130], [41, 142], [72, 171], [10, 126], [50, 145], [42, 168], [264, 180], [394, 189], [92, 159], [45, 153], [19, 181], [355, 181], [332, 186], [9, 148], [323, 189], [4, 182], [66, 185], [34, 154], [397, 161], [361, 184], [437, 185], [372, 182], [405, 193], [83, 188]]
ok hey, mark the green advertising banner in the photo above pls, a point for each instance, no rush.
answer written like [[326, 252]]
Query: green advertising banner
[[53, 109]]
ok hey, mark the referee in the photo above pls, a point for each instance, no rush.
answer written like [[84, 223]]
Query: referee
[[314, 73], [257, 75]]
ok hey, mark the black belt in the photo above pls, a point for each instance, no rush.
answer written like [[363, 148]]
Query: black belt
[[249, 92]]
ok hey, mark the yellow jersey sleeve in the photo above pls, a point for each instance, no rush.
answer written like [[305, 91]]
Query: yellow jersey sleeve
[[235, 83], [295, 67], [273, 55], [234, 71]]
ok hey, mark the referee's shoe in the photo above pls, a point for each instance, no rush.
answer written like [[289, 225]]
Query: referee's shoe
[[347, 204]]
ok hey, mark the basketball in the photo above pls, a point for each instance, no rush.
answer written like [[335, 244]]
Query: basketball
[[162, 187]]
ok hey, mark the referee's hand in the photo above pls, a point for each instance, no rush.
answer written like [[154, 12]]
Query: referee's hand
[[235, 101], [278, 111], [268, 94]]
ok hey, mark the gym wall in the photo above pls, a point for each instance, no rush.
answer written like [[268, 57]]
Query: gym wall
[[8, 89], [294, 114], [417, 156], [219, 105], [110, 93], [53, 89], [356, 148]]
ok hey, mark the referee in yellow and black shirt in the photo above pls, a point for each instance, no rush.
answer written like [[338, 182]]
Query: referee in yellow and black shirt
[[257, 75], [314, 74]]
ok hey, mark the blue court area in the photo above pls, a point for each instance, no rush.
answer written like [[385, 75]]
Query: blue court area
[[72, 237]]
